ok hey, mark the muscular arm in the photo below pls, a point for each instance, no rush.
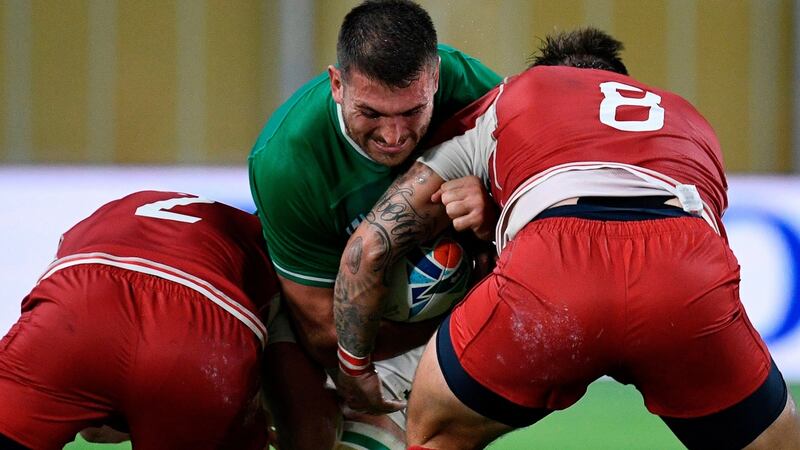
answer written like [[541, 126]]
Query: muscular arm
[[402, 217], [311, 309]]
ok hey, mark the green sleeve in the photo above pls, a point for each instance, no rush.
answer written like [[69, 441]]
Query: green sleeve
[[289, 206]]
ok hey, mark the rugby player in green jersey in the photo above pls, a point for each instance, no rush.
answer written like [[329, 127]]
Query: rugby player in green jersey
[[321, 162]]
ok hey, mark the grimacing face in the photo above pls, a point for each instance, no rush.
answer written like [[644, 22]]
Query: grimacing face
[[386, 122]]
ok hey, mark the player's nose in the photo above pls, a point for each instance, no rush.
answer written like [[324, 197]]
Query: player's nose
[[393, 131]]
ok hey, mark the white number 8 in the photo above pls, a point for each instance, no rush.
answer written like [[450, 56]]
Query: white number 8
[[613, 100]]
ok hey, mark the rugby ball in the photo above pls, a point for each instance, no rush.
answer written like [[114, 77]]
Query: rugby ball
[[428, 281]]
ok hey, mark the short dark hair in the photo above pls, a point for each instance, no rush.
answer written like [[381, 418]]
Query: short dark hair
[[587, 48], [391, 41]]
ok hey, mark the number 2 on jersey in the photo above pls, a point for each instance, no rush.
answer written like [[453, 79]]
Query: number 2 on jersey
[[159, 210], [613, 100]]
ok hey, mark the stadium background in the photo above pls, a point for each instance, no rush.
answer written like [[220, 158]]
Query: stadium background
[[114, 87]]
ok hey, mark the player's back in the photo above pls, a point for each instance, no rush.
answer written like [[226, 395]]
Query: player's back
[[551, 116], [177, 233]]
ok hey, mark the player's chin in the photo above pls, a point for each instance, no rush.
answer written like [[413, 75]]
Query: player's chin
[[391, 158]]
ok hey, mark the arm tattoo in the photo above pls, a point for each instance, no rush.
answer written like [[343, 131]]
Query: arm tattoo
[[397, 224], [354, 257], [353, 324]]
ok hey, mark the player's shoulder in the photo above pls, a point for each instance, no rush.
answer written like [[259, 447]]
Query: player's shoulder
[[315, 92], [450, 53], [135, 200], [308, 112], [569, 80], [453, 59], [145, 203]]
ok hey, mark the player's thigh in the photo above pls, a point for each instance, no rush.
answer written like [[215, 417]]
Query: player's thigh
[[60, 367], [691, 348], [299, 399], [784, 432], [536, 332], [195, 382], [765, 419], [437, 418], [692, 351]]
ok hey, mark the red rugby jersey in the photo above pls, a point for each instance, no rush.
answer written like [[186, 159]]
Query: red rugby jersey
[[549, 117], [211, 247]]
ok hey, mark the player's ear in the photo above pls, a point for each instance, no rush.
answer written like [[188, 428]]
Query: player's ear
[[436, 74], [337, 83]]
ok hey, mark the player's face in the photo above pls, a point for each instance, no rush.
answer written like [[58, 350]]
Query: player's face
[[386, 122]]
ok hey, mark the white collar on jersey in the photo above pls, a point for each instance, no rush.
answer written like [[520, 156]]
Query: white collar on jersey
[[350, 140]]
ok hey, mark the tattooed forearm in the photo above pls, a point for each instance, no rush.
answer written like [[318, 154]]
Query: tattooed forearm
[[397, 203], [396, 206], [383, 255], [400, 220], [417, 174], [356, 326], [354, 255]]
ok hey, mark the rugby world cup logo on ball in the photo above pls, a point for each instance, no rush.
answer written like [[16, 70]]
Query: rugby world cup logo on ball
[[428, 281]]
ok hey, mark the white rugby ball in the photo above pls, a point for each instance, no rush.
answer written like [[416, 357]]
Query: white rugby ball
[[428, 281]]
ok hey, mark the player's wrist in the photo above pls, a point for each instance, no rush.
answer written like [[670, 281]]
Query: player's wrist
[[353, 365]]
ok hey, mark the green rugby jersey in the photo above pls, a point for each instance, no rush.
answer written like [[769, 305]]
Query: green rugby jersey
[[312, 185]]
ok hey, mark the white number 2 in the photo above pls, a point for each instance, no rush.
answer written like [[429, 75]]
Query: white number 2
[[613, 100], [158, 210]]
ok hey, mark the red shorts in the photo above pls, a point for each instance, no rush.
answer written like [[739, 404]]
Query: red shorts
[[654, 303], [97, 344]]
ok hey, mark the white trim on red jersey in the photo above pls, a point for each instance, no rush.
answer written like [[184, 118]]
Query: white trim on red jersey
[[475, 151], [596, 178], [141, 265]]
